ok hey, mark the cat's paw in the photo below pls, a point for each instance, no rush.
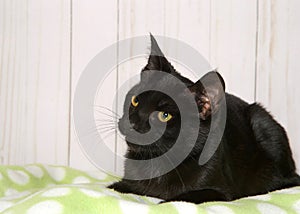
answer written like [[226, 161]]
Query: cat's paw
[[120, 187]]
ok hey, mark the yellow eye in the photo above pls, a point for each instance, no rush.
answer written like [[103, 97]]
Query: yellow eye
[[164, 116], [134, 101]]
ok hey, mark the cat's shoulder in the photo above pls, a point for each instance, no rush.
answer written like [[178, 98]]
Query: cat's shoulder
[[254, 111], [235, 105]]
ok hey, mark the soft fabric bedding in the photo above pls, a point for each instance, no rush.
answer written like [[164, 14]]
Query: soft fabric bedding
[[46, 189]]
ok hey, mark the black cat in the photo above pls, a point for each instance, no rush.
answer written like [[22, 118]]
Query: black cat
[[252, 158]]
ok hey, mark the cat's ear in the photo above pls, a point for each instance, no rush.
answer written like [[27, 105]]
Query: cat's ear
[[157, 61], [209, 92]]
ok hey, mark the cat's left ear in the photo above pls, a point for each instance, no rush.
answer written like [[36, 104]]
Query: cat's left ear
[[209, 92]]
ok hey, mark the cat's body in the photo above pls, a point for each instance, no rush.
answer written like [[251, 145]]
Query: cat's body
[[253, 156]]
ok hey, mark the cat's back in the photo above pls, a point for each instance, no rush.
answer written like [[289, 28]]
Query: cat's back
[[256, 145], [253, 127], [254, 118]]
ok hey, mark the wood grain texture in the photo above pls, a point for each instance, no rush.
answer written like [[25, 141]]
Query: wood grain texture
[[254, 44], [34, 89], [189, 22], [278, 65], [233, 44], [94, 28]]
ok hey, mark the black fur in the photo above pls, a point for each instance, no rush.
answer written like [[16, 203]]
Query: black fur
[[253, 157]]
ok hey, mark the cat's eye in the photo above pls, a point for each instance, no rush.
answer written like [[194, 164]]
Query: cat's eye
[[134, 101], [164, 116]]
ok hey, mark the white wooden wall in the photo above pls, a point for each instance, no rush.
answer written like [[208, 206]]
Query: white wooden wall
[[45, 45]]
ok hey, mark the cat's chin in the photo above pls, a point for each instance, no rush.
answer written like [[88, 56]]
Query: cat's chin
[[133, 148], [129, 143], [127, 140]]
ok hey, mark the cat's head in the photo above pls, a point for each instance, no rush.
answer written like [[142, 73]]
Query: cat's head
[[153, 109]]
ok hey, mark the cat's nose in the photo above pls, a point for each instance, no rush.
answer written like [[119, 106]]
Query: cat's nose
[[122, 127], [141, 127], [125, 127]]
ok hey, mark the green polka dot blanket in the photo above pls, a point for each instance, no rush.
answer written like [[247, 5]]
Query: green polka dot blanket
[[43, 189]]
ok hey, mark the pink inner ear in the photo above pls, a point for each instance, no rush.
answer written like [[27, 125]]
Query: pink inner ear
[[205, 106]]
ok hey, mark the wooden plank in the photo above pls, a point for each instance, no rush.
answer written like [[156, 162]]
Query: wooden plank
[[233, 44], [278, 65], [94, 28], [189, 22], [34, 81], [136, 18]]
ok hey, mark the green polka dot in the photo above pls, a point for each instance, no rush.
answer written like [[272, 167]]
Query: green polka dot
[[46, 207], [214, 209], [18, 176], [57, 173], [35, 171], [5, 204], [80, 180], [265, 208], [57, 192]]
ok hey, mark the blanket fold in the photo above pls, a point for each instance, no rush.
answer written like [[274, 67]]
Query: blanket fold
[[57, 189]]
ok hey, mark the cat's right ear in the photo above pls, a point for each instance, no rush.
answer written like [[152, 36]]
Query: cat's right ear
[[156, 61], [209, 91]]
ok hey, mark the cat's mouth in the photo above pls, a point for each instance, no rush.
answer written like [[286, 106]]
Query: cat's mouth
[[125, 132], [121, 127]]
